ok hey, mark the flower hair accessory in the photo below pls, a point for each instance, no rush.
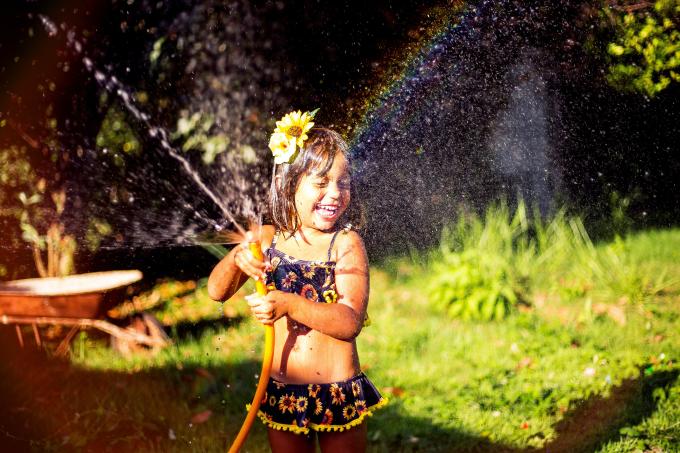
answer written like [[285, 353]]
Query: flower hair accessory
[[290, 135]]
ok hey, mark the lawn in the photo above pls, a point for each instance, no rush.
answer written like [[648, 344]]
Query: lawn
[[576, 368]]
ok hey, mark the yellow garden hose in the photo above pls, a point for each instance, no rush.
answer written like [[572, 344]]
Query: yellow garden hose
[[261, 288]]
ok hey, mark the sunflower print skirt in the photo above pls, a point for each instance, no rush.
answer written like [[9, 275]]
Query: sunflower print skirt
[[322, 407]]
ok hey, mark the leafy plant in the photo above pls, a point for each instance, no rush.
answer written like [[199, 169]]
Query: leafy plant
[[485, 267], [482, 268], [615, 272], [195, 131], [473, 285], [645, 52], [116, 138], [59, 247]]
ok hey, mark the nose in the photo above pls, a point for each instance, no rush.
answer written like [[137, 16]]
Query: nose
[[333, 191]]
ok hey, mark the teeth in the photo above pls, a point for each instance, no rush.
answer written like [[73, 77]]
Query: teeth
[[328, 209]]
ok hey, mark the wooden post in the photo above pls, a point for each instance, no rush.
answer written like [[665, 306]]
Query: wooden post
[[36, 334], [19, 336]]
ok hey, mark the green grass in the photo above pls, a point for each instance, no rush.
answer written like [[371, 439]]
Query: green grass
[[487, 266], [509, 382], [581, 369]]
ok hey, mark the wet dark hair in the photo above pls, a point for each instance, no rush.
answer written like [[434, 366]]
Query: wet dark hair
[[317, 158]]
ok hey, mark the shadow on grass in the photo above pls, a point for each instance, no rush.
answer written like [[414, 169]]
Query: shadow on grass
[[392, 431], [583, 429], [191, 329], [50, 405], [599, 419]]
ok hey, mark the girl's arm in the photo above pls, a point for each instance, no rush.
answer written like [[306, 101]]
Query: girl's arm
[[342, 320], [235, 268]]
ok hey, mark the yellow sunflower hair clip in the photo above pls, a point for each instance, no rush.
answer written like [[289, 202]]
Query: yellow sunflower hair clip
[[290, 135]]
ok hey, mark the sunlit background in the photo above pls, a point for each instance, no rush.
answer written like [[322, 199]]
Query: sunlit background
[[517, 161]]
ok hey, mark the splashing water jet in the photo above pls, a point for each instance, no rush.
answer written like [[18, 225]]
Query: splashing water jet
[[112, 85], [446, 131]]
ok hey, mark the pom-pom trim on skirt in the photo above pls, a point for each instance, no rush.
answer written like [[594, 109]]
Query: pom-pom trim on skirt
[[317, 427]]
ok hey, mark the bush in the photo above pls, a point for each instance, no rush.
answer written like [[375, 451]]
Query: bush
[[473, 285], [483, 266]]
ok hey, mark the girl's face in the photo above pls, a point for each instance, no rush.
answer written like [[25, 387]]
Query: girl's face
[[321, 200]]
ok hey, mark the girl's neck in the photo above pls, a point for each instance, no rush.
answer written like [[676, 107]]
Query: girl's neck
[[308, 234]]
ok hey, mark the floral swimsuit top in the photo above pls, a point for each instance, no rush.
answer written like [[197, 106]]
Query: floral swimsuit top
[[313, 280]]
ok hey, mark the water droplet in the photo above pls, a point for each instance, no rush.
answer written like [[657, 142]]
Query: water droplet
[[50, 27]]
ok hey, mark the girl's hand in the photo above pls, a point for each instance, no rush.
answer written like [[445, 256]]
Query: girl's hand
[[267, 309], [244, 259]]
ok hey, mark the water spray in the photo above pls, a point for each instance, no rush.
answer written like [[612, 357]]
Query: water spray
[[113, 85]]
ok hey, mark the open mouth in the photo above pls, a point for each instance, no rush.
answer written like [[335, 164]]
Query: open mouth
[[327, 211]]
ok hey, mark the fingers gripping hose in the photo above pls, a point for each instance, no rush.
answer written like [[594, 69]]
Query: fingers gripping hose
[[268, 355]]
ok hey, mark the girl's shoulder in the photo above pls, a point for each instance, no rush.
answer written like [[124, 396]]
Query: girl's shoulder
[[349, 246], [267, 233]]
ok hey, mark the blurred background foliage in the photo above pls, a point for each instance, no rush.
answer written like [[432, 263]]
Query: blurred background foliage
[[216, 86], [488, 267], [645, 49]]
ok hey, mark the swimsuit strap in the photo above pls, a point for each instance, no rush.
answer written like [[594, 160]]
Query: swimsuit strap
[[272, 246], [330, 247]]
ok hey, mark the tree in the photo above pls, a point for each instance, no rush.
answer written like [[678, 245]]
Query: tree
[[644, 54]]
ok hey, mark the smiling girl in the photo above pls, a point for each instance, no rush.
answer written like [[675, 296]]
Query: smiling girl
[[317, 271]]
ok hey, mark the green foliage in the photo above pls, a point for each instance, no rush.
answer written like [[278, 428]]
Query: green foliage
[[60, 248], [22, 205], [617, 274], [156, 51], [645, 52], [610, 272], [116, 138], [619, 205], [485, 268], [481, 269], [97, 229], [194, 130], [16, 176], [659, 432], [473, 285], [521, 384]]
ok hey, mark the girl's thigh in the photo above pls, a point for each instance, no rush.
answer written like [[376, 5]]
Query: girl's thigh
[[352, 440], [287, 442]]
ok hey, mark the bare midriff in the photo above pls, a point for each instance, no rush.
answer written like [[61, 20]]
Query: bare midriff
[[306, 356]]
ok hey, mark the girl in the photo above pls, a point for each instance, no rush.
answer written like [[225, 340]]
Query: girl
[[317, 272]]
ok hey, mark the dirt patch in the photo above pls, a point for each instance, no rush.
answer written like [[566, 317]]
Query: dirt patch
[[599, 419]]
